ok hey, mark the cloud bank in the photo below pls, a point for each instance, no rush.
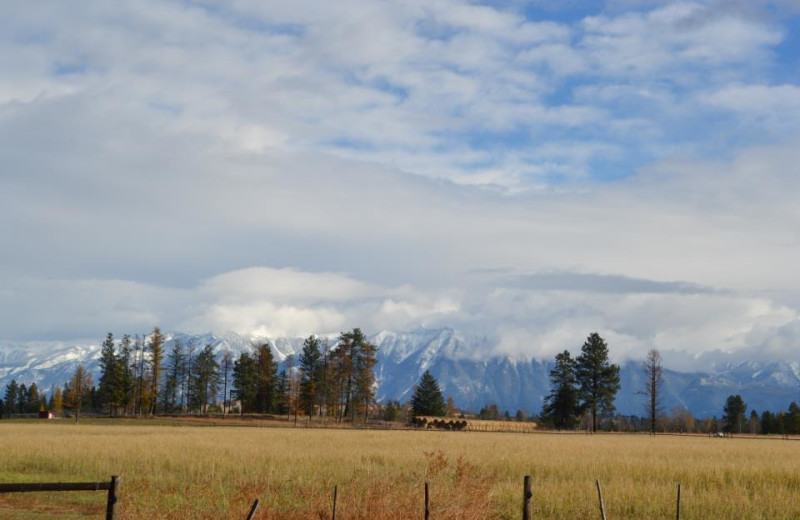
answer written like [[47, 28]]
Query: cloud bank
[[530, 172]]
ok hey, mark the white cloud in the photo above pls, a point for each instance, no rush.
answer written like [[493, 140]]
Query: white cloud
[[288, 168], [772, 108]]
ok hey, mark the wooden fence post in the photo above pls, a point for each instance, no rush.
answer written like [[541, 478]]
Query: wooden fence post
[[335, 492], [602, 505], [427, 503], [253, 509], [113, 489], [527, 494], [678, 512]]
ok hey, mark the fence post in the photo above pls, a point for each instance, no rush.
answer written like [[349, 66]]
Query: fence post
[[112, 497], [335, 492], [427, 503], [253, 509], [678, 513], [527, 494], [602, 505]]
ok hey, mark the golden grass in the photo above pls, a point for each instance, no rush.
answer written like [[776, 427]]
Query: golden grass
[[208, 472]]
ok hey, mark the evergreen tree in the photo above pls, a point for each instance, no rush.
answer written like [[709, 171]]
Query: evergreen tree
[[245, 382], [733, 417], [597, 377], [428, 399], [267, 379], [205, 380], [390, 411], [109, 375], [22, 399], [310, 374], [792, 419], [561, 405], [284, 394], [126, 381], [32, 402], [12, 390], [225, 370], [156, 348], [351, 369], [365, 374]]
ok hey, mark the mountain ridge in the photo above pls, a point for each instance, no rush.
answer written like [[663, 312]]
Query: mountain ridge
[[465, 367]]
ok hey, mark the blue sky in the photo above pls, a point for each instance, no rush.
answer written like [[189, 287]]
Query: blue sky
[[528, 170]]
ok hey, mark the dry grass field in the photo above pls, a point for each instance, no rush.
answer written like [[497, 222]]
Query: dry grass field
[[205, 472]]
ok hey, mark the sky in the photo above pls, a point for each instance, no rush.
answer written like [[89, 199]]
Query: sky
[[526, 170]]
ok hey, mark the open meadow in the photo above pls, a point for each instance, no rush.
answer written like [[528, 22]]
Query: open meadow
[[205, 472]]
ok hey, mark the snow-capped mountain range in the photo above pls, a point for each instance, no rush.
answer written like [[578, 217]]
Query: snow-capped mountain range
[[465, 373]]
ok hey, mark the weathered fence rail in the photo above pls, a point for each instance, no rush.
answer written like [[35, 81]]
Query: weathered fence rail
[[112, 486]]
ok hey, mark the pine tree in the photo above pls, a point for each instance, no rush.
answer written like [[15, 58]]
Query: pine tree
[[205, 380], [12, 390], [310, 374], [109, 377], [733, 418], [561, 405], [245, 382], [32, 402], [365, 374], [156, 348], [125, 388], [428, 399], [793, 419], [351, 372], [22, 399], [225, 370], [267, 379], [284, 394], [597, 377], [390, 412]]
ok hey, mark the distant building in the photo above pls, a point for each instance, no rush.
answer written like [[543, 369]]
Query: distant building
[[46, 415]]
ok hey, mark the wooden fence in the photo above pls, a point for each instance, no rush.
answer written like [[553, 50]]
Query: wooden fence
[[527, 497], [113, 490], [112, 486]]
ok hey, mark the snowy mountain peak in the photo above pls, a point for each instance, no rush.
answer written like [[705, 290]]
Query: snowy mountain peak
[[465, 366]]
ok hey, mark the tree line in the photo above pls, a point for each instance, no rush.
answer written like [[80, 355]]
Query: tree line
[[139, 377]]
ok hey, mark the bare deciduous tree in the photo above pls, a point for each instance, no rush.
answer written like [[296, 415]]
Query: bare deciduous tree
[[652, 389]]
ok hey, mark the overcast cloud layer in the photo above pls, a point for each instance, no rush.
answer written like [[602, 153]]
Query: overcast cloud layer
[[530, 171]]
